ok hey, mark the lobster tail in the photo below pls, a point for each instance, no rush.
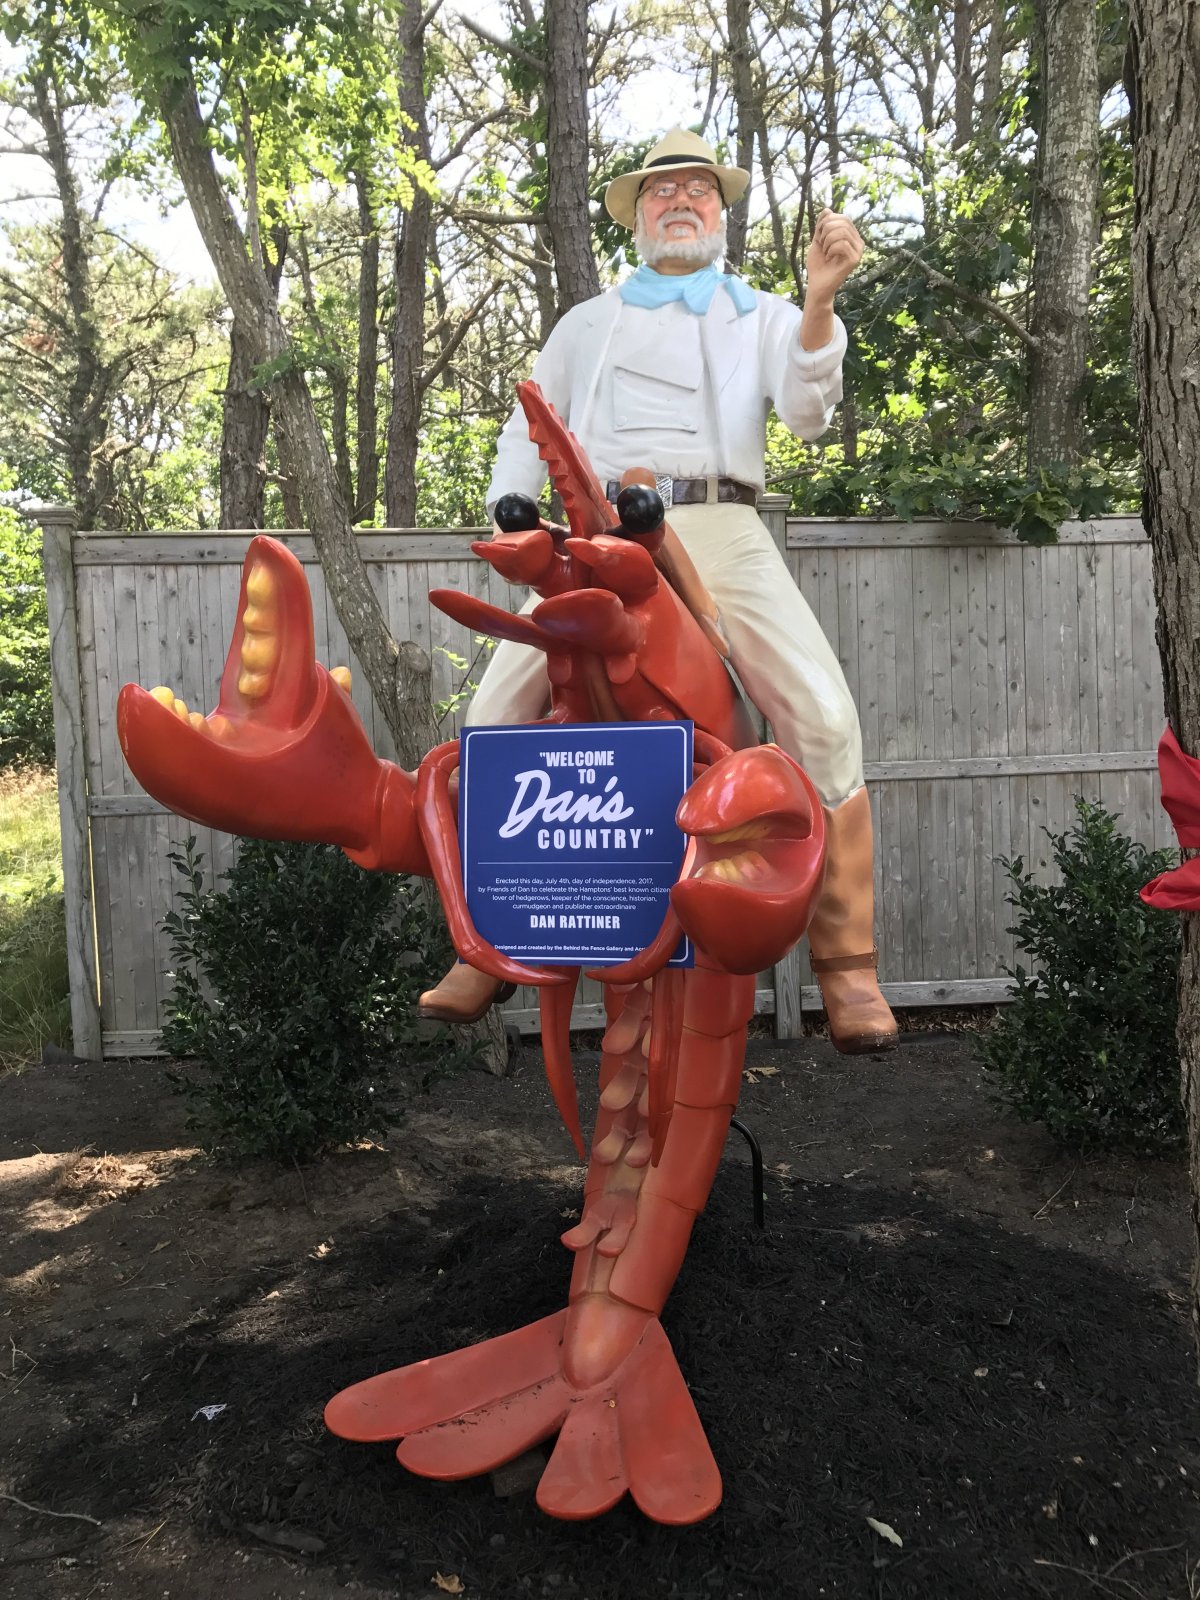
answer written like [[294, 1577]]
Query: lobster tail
[[666, 1034], [556, 1051]]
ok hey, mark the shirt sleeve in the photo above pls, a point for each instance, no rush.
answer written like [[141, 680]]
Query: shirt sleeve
[[518, 469], [803, 385]]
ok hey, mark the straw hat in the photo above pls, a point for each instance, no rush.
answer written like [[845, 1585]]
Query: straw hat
[[676, 151]]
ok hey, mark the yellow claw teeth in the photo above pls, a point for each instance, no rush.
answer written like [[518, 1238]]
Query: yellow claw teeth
[[748, 830], [256, 619], [259, 653], [341, 676], [218, 725], [196, 718], [254, 685], [181, 710], [164, 696], [259, 585], [713, 871], [749, 867]]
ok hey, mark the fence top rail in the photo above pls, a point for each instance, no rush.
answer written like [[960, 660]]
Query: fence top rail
[[228, 546], [178, 545], [806, 533]]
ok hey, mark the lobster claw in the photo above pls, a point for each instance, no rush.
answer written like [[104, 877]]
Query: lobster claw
[[754, 868], [285, 755], [579, 489]]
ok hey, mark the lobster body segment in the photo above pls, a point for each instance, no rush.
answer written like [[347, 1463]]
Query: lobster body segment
[[629, 635]]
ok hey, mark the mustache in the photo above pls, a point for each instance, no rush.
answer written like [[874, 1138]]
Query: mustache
[[669, 217]]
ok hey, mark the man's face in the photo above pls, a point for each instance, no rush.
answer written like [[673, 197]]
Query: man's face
[[680, 227], [681, 216]]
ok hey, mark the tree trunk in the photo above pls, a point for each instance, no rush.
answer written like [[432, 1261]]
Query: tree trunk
[[567, 214], [1064, 226], [87, 408], [246, 416], [778, 239], [543, 281], [243, 439], [741, 73], [366, 417], [829, 102], [964, 87], [988, 122], [407, 338], [1164, 49], [398, 673]]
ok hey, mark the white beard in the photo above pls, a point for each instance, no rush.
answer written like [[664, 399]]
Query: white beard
[[699, 251]]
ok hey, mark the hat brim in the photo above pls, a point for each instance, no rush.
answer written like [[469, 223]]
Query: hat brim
[[620, 198]]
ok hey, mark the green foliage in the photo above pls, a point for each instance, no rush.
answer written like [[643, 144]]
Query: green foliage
[[26, 711], [294, 992], [454, 466], [34, 993], [955, 483], [1087, 1046]]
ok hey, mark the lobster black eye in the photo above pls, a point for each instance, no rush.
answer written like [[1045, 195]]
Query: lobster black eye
[[514, 513], [640, 509]]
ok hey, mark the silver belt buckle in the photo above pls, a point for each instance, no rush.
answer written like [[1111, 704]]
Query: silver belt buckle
[[665, 487]]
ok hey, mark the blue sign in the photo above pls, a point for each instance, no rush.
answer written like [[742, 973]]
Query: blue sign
[[569, 843]]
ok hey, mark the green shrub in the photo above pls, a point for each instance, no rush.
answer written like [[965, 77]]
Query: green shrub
[[294, 993], [35, 1001], [1087, 1046], [26, 710]]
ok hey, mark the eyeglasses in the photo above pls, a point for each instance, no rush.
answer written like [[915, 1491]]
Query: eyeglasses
[[695, 189]]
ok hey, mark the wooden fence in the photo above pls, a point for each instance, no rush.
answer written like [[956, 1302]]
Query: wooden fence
[[995, 682]]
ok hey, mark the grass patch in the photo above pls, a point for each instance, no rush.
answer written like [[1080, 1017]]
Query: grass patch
[[34, 992]]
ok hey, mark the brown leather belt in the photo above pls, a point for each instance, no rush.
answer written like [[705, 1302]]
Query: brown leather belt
[[694, 491]]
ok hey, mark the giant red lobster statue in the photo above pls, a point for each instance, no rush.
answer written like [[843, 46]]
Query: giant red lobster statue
[[285, 756]]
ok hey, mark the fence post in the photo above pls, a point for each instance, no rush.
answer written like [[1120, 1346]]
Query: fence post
[[773, 509], [58, 524]]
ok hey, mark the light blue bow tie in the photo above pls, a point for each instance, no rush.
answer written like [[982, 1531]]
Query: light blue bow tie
[[696, 289]]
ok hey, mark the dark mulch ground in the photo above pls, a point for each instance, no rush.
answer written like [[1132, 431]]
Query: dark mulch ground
[[926, 1334]]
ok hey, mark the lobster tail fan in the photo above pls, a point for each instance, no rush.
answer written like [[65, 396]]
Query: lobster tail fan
[[556, 1003]]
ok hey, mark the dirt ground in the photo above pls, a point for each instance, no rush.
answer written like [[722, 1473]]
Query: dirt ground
[[947, 1326]]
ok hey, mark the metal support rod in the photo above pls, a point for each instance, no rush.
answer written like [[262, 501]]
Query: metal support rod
[[756, 1169]]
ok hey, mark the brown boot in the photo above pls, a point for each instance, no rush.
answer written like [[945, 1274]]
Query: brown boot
[[464, 995], [841, 935]]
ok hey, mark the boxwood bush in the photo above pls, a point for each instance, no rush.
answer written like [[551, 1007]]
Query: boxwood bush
[[294, 994], [1087, 1045]]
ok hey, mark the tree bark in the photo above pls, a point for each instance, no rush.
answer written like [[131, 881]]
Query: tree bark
[[567, 213], [246, 415], [741, 73], [829, 103], [366, 408], [407, 339], [398, 673], [243, 439], [988, 121], [1064, 226], [1164, 50], [87, 406], [964, 84]]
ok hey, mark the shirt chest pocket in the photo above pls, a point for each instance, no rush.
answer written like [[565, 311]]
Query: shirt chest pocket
[[659, 390]]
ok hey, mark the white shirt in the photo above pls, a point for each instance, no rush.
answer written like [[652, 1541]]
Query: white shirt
[[684, 395]]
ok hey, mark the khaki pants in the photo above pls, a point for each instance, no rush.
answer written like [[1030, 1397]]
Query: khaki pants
[[778, 650]]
